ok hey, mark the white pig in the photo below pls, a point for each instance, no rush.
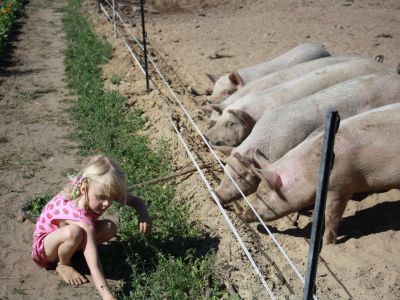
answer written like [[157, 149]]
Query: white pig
[[275, 78], [367, 160], [282, 129], [238, 119], [227, 84]]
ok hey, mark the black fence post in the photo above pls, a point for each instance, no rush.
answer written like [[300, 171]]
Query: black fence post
[[327, 160], [98, 6], [144, 46]]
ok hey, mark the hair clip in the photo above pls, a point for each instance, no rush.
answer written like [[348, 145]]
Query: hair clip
[[76, 182]]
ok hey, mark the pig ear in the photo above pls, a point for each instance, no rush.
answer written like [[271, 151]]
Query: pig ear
[[236, 79], [244, 117], [246, 160], [271, 178], [219, 108], [213, 78], [227, 150], [260, 159], [205, 108]]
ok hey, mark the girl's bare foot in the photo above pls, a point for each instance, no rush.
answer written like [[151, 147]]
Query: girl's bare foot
[[70, 275]]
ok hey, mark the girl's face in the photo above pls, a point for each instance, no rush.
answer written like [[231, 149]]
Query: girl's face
[[99, 201]]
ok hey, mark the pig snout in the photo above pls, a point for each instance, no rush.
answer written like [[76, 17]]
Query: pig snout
[[226, 195], [228, 192], [248, 215]]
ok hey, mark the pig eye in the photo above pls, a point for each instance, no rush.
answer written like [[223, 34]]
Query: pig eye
[[229, 124], [227, 92]]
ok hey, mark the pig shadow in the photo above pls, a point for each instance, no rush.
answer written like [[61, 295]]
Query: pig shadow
[[379, 218]]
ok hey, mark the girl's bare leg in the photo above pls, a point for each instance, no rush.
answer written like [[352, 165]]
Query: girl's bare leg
[[60, 245]]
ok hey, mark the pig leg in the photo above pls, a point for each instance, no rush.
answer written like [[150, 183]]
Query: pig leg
[[335, 205]]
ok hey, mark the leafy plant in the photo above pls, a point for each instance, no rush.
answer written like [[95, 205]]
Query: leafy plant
[[9, 12], [115, 79], [36, 205]]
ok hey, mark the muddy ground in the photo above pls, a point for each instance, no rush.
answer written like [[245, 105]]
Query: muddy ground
[[185, 37]]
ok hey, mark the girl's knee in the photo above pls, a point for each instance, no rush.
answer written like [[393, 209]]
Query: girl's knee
[[110, 227], [74, 233], [105, 230]]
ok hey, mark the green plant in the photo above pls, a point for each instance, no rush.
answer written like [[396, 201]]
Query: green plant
[[9, 12], [36, 205], [115, 79], [19, 291], [105, 127]]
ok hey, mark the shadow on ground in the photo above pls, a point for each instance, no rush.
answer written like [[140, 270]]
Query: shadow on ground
[[379, 218]]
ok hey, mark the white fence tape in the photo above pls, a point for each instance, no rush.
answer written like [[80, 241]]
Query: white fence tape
[[215, 156]]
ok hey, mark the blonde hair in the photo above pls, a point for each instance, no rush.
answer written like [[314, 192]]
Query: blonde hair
[[105, 171]]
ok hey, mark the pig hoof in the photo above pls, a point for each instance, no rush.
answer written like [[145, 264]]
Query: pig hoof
[[330, 239]]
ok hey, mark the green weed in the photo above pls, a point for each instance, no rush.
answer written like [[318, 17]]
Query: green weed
[[35, 206], [115, 79], [9, 13], [19, 291]]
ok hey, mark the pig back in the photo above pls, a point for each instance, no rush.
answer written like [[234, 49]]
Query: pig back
[[258, 103], [280, 130], [367, 146], [299, 54], [291, 72]]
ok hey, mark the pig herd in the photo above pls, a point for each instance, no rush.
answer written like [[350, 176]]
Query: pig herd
[[269, 118]]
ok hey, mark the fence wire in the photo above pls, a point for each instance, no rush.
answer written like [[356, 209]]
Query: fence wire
[[115, 15]]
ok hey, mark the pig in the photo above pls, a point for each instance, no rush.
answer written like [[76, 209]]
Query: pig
[[279, 131], [238, 119], [275, 78], [226, 85], [367, 160]]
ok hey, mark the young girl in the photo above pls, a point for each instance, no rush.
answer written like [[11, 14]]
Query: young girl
[[69, 222]]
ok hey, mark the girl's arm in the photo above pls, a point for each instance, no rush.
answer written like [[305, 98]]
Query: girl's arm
[[93, 261], [138, 204]]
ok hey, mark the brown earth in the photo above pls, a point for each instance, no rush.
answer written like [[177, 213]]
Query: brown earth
[[185, 36]]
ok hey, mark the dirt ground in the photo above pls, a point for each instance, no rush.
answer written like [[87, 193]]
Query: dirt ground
[[185, 36]]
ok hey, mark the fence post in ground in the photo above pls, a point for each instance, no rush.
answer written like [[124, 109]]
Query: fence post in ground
[[98, 6], [144, 46], [327, 160]]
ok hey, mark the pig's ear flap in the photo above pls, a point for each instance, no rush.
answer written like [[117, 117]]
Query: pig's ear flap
[[260, 159], [219, 108], [271, 178], [245, 160], [213, 78], [236, 79], [205, 108], [244, 117], [227, 150]]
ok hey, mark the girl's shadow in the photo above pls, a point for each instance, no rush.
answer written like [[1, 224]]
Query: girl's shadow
[[118, 258]]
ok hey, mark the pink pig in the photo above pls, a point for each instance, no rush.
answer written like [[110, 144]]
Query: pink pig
[[226, 85], [367, 160]]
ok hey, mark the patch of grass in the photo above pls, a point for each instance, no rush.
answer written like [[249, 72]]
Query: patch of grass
[[35, 206], [167, 281], [176, 247], [33, 94], [19, 291], [115, 79]]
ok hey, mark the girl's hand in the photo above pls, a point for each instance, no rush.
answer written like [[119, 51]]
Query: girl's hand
[[145, 225], [138, 204]]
